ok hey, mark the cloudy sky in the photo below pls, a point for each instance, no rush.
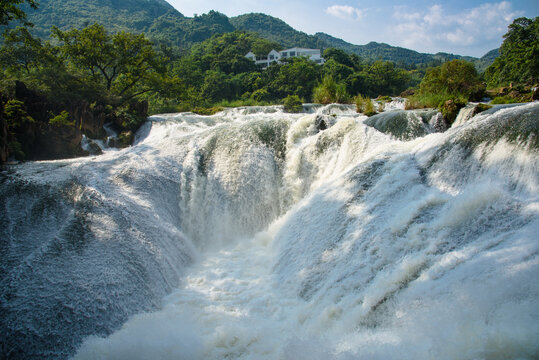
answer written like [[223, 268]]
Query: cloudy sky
[[464, 27]]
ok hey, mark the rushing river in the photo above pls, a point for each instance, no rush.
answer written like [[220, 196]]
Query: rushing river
[[257, 234]]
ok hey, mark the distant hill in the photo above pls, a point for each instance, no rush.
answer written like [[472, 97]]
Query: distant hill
[[487, 59], [156, 18], [161, 22], [115, 15], [277, 30]]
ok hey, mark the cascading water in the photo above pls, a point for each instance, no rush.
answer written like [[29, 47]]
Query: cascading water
[[255, 234]]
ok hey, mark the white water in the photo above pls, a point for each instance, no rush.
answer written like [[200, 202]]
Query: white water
[[344, 243]]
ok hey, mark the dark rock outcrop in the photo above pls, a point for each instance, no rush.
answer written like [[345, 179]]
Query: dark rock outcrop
[[89, 119], [3, 139], [60, 142], [42, 140]]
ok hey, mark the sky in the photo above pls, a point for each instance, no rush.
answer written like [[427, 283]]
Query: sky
[[463, 27]]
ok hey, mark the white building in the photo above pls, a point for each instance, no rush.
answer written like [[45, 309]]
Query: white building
[[276, 56]]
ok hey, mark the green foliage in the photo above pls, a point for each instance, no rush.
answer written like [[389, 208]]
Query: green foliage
[[293, 104], [448, 87], [456, 78], [450, 109], [297, 77], [133, 16], [128, 117], [16, 115], [62, 119], [260, 95], [10, 10], [18, 121], [519, 55], [364, 105], [125, 139], [506, 99], [123, 63], [21, 51], [278, 31], [330, 91], [481, 107], [207, 111], [378, 78]]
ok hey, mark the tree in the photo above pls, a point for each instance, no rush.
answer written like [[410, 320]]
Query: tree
[[339, 56], [519, 55], [9, 10], [21, 51], [125, 64], [297, 77], [455, 78], [330, 91]]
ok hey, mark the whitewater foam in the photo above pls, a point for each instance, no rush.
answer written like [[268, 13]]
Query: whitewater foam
[[303, 242]]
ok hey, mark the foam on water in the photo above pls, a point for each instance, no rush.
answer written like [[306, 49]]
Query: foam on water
[[342, 243]]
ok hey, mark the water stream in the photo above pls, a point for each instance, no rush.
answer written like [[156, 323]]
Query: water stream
[[256, 234]]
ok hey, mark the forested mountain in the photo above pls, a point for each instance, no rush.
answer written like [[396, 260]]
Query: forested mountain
[[156, 18], [161, 22], [277, 30], [486, 60], [117, 15]]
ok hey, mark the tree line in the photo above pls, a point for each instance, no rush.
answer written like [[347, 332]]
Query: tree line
[[117, 72]]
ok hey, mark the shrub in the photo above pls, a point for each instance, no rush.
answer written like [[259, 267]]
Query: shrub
[[16, 115], [364, 105], [61, 119], [450, 109], [293, 104], [207, 111], [330, 91], [260, 95]]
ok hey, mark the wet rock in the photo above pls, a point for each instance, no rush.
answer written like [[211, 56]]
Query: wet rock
[[3, 140], [90, 119], [60, 142], [322, 122], [124, 140]]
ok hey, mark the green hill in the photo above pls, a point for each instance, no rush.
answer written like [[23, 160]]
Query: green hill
[[277, 30], [161, 22], [156, 18], [115, 15]]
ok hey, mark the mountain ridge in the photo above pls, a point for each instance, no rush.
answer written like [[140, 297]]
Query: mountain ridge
[[162, 22]]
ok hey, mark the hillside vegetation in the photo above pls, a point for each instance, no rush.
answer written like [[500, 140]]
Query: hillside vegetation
[[164, 24], [55, 90]]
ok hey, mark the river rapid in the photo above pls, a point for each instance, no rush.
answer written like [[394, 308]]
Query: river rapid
[[258, 234]]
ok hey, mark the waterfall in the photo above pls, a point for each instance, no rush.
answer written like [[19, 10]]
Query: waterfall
[[257, 234]]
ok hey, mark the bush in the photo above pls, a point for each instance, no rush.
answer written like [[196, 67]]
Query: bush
[[16, 115], [330, 91], [260, 95], [207, 111], [364, 105], [293, 104], [450, 109], [61, 119]]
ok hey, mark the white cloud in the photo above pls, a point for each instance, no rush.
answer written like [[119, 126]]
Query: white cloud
[[435, 29], [345, 12]]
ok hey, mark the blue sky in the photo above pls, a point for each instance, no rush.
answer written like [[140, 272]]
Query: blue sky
[[464, 27]]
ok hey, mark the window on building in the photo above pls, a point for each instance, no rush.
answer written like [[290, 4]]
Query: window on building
[[272, 57], [292, 53], [285, 54]]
